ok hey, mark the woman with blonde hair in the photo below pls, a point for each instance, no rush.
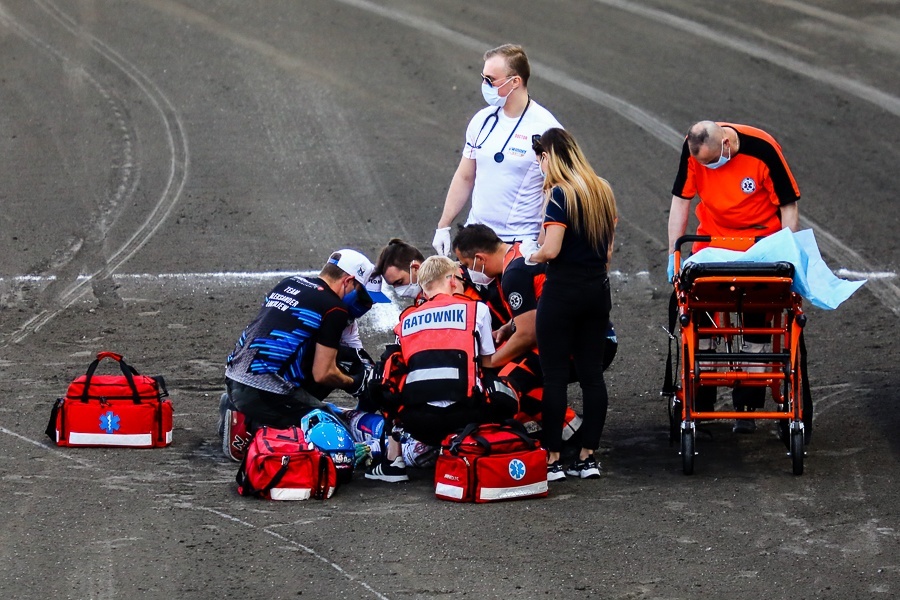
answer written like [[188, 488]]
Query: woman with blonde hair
[[573, 312]]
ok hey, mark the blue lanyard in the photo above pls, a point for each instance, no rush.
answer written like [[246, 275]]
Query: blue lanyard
[[498, 157]]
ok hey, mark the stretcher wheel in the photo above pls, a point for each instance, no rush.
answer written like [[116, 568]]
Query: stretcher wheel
[[687, 451], [797, 450]]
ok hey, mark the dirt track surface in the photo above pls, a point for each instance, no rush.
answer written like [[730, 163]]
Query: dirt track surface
[[162, 159]]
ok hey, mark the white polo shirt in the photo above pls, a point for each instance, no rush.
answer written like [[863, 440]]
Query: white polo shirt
[[507, 195]]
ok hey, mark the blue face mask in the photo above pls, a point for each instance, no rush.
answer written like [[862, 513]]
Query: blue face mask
[[492, 94], [722, 158], [357, 304]]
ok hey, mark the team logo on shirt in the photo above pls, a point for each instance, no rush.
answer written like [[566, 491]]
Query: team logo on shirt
[[515, 300], [748, 185]]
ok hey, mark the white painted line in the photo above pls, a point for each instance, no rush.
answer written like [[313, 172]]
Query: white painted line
[[846, 273], [225, 275], [278, 536], [53, 449], [286, 540], [241, 276]]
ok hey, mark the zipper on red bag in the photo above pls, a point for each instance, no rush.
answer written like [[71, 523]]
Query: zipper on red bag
[[470, 478]]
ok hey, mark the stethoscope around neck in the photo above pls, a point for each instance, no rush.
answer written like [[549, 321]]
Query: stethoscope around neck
[[498, 157]]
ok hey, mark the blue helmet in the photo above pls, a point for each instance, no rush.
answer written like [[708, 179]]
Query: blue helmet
[[325, 431]]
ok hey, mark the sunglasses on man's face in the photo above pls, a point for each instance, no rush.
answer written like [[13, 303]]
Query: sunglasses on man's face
[[536, 144], [495, 83]]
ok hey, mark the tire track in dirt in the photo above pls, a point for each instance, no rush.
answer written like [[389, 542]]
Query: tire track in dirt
[[173, 132]]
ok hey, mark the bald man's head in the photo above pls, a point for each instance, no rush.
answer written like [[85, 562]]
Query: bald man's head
[[704, 133]]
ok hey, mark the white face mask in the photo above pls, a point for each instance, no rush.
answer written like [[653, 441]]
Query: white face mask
[[478, 277], [410, 290], [492, 94]]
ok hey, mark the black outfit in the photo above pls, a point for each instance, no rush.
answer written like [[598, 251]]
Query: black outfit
[[269, 373], [431, 424], [572, 319]]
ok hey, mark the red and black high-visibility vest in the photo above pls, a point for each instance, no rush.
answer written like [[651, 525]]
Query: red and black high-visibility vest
[[439, 343]]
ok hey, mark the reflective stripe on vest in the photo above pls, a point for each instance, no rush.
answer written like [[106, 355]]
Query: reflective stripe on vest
[[433, 374]]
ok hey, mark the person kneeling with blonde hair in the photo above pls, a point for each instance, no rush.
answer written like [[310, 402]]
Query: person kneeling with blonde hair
[[442, 342]]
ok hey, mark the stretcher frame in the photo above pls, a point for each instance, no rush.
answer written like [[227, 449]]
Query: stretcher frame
[[725, 291]]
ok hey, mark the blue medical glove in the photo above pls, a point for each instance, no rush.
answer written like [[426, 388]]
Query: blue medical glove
[[670, 270]]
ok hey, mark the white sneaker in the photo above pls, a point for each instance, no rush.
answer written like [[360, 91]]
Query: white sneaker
[[556, 472]]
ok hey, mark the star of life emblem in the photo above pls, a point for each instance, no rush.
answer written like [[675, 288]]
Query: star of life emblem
[[109, 422], [748, 186], [515, 300], [516, 469]]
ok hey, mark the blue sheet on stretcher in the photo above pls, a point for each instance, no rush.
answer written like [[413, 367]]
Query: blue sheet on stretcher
[[812, 278]]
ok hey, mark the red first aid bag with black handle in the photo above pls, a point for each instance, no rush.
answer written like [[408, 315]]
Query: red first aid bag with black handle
[[128, 410], [490, 462], [281, 465]]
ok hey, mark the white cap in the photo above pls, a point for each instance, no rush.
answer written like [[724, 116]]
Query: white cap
[[375, 288], [353, 263]]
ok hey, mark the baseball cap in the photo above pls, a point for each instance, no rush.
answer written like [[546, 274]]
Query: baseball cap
[[375, 288], [353, 263]]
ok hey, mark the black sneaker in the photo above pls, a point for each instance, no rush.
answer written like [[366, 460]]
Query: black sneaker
[[586, 468], [555, 472], [392, 472]]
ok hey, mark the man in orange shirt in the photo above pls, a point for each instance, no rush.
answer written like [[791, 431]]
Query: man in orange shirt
[[745, 186], [746, 189]]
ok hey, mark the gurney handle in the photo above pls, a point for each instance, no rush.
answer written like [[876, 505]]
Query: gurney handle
[[731, 243]]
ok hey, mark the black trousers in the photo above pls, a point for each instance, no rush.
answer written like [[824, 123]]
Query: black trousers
[[266, 408], [431, 424], [572, 318]]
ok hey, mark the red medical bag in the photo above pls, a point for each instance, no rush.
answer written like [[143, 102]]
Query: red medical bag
[[128, 410], [281, 465], [486, 463]]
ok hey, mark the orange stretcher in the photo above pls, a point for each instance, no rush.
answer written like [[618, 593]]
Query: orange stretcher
[[709, 301]]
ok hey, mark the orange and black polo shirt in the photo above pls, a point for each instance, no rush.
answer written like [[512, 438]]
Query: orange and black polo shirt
[[742, 197]]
